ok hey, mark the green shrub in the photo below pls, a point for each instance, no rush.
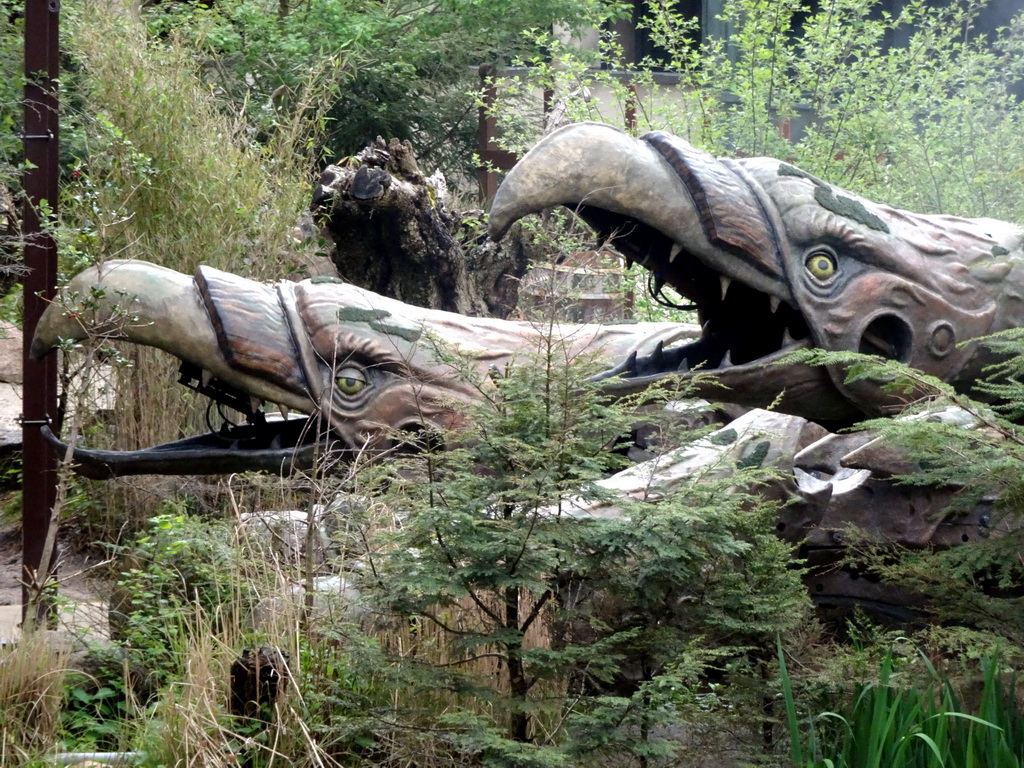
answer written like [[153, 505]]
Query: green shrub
[[926, 125], [181, 566], [400, 70], [545, 636]]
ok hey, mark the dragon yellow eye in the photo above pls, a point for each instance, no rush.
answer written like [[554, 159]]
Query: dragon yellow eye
[[350, 381], [821, 264]]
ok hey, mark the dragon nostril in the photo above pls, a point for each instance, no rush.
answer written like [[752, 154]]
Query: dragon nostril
[[887, 336], [416, 438]]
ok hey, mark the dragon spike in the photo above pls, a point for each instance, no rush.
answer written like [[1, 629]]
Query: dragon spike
[[658, 355], [631, 363]]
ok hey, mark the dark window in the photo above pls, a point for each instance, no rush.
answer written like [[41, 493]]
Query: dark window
[[636, 39]]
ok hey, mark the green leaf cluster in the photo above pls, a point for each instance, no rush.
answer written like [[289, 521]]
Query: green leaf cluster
[[180, 565], [971, 448], [912, 107], [11, 86]]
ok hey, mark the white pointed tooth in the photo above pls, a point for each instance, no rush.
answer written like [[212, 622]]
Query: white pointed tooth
[[726, 282], [774, 302], [207, 377], [676, 249], [284, 410], [255, 403], [787, 339], [727, 360]]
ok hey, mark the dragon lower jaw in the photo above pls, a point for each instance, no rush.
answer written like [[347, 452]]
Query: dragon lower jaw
[[279, 446]]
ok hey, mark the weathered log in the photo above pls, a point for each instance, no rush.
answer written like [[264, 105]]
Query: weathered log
[[394, 233]]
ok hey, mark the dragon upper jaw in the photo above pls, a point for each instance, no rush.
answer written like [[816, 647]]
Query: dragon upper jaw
[[663, 195], [157, 307]]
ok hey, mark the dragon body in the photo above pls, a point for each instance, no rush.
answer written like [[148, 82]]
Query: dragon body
[[774, 260]]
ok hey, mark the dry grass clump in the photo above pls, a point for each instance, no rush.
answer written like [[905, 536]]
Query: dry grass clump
[[32, 677], [189, 724], [170, 175]]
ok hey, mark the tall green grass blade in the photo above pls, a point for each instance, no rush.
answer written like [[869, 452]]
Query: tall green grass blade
[[795, 747], [889, 726], [929, 742], [965, 716]]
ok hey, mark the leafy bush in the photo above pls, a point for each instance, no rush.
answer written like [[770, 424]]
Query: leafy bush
[[924, 125], [11, 87], [164, 174], [399, 70], [181, 566], [546, 634]]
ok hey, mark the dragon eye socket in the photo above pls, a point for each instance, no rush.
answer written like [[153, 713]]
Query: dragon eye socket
[[821, 264], [351, 381]]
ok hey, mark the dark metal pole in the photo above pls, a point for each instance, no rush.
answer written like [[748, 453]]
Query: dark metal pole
[[40, 133], [491, 156]]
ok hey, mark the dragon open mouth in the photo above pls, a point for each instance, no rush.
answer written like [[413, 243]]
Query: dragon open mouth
[[740, 325]]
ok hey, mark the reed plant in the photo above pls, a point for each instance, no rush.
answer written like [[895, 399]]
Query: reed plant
[[166, 171], [900, 721]]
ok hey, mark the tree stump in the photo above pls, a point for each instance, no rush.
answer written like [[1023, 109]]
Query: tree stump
[[257, 678]]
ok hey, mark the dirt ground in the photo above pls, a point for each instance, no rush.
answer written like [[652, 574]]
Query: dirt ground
[[80, 584]]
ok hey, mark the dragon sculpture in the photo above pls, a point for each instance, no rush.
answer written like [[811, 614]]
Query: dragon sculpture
[[773, 259]]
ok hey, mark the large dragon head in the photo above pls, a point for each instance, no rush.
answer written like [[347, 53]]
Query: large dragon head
[[367, 371], [776, 260]]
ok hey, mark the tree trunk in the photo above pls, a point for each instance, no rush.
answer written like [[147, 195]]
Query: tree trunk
[[519, 686]]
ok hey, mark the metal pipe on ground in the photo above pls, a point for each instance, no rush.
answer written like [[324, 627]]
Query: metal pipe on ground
[[96, 758]]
